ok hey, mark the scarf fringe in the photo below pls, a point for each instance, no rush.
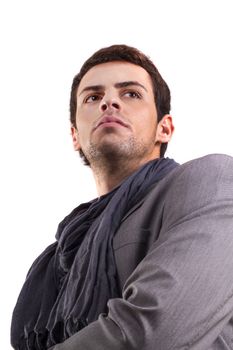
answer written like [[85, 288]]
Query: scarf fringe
[[44, 339]]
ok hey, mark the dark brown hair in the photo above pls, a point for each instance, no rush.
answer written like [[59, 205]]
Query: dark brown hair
[[128, 54]]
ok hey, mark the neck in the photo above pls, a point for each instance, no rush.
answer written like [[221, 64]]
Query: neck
[[109, 176]]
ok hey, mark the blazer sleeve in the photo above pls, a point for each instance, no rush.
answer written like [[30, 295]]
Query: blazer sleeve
[[181, 294]]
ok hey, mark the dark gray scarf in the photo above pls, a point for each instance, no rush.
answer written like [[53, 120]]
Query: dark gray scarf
[[70, 283]]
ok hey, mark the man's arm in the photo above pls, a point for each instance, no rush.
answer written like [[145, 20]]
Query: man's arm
[[181, 294]]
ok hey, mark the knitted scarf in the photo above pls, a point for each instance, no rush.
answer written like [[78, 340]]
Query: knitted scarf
[[69, 284]]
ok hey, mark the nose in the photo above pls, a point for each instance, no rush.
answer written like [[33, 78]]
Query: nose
[[110, 103]]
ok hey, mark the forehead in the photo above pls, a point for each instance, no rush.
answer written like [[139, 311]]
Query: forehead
[[111, 73]]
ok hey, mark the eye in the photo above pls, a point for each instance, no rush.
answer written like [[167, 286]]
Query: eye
[[92, 98], [133, 94]]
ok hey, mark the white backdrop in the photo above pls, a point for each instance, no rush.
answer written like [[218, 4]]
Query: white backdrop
[[43, 44]]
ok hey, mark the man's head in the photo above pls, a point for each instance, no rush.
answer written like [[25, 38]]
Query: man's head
[[118, 58]]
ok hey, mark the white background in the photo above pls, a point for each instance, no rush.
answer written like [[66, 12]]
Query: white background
[[43, 44]]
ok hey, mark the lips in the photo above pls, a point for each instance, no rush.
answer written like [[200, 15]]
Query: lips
[[111, 119]]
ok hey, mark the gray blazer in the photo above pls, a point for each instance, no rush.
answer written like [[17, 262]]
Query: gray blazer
[[174, 255]]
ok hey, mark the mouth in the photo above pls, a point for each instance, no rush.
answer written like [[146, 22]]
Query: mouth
[[111, 121]]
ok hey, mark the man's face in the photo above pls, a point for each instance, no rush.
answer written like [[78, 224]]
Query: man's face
[[116, 113]]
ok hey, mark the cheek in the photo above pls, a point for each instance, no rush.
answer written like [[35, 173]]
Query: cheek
[[82, 134], [81, 121], [84, 127], [146, 119]]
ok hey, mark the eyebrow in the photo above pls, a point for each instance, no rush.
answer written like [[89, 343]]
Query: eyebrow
[[117, 85]]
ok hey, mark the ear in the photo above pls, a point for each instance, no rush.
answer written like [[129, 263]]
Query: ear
[[165, 129], [75, 138]]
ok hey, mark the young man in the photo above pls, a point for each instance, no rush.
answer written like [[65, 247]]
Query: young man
[[148, 264]]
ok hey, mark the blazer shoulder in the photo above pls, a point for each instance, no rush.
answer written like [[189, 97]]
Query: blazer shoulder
[[209, 167], [204, 182], [211, 161]]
